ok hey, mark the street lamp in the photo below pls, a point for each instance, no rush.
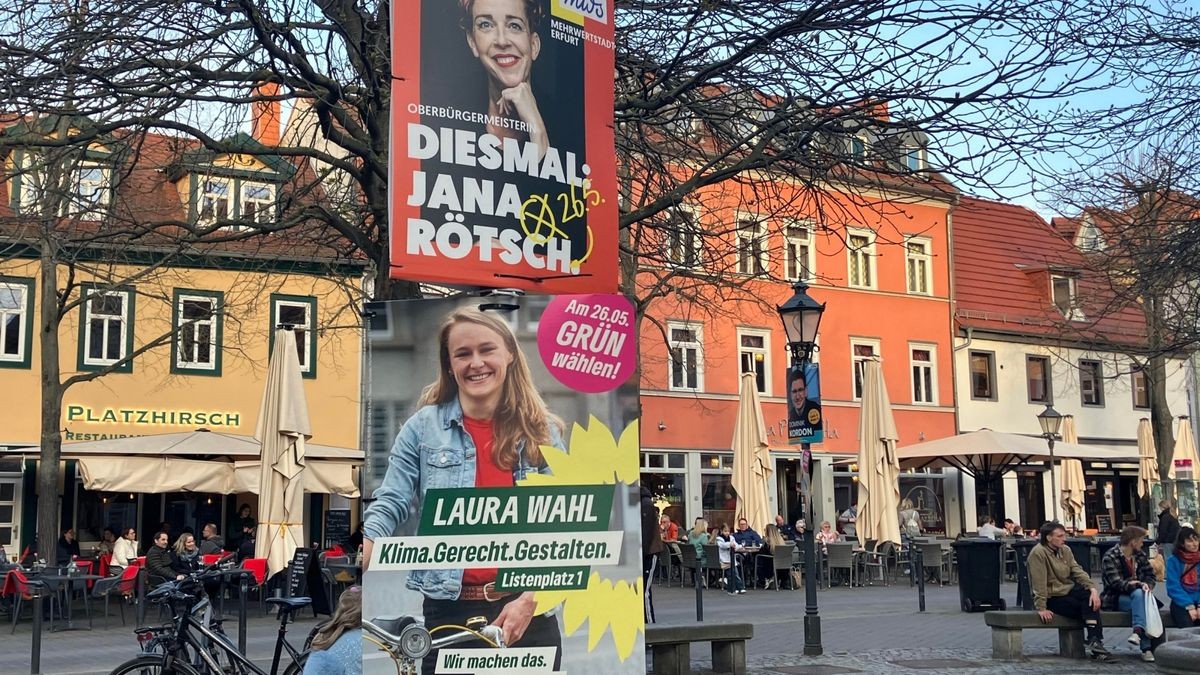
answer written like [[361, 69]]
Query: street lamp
[[801, 316], [1051, 421]]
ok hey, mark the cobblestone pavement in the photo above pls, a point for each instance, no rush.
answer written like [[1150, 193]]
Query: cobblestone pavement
[[877, 630]]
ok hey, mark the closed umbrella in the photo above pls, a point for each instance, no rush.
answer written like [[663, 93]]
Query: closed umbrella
[[1185, 448], [1147, 458], [1073, 483], [751, 458], [282, 428], [878, 466]]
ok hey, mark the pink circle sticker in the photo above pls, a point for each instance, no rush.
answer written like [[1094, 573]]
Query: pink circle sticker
[[587, 341]]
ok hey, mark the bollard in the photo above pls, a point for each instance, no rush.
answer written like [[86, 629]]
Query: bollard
[[243, 590], [35, 648], [141, 596], [699, 592], [920, 571]]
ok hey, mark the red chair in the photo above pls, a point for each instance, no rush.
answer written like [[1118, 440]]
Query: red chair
[[209, 558], [102, 564], [258, 567], [24, 592]]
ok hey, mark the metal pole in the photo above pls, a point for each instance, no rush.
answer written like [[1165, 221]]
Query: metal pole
[[919, 567], [699, 593], [1053, 477], [35, 648], [243, 590], [812, 615]]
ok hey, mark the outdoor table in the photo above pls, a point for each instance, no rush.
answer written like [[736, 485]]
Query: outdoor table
[[346, 567], [56, 581]]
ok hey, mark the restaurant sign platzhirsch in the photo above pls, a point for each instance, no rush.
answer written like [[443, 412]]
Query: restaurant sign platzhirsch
[[152, 417]]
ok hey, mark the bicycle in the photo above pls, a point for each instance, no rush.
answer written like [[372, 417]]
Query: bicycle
[[407, 641], [189, 645]]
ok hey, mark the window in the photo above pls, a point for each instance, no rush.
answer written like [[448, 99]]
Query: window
[[860, 251], [683, 239], [197, 332], [1062, 289], [1089, 238], [257, 203], [16, 327], [913, 157], [299, 312], [861, 351], [687, 357], [858, 148], [799, 261], [1141, 389], [752, 254], [90, 190], [753, 352], [214, 201], [983, 375], [1091, 382], [106, 329], [1037, 379], [917, 264], [924, 379]]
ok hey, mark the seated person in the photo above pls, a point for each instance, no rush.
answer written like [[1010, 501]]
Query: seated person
[[786, 531], [158, 561], [1060, 586], [67, 548], [1128, 577], [248, 542], [765, 564], [827, 535], [1183, 579], [746, 536], [987, 527]]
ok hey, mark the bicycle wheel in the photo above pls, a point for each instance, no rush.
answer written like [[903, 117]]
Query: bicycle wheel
[[297, 667], [152, 665]]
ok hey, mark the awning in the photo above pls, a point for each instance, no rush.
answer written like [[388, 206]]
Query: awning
[[171, 474]]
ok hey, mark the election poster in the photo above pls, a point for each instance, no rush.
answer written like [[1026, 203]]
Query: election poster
[[806, 423], [502, 522], [502, 163]]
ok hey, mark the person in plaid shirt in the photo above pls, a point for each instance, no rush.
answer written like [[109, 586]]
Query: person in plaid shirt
[[1128, 577]]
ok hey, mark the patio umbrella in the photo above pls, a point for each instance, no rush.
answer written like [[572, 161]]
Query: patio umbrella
[[1073, 482], [282, 428], [1185, 448], [878, 468], [751, 458], [1147, 458]]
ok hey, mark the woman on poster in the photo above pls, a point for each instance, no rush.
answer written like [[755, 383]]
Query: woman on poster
[[503, 35], [480, 423]]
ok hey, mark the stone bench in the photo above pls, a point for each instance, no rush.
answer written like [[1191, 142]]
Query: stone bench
[[1007, 626], [670, 646]]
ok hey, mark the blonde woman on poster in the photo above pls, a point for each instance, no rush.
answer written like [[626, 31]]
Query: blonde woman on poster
[[480, 424]]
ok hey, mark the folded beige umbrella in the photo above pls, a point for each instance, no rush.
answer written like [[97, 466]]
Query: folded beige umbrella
[[1185, 449], [1147, 458], [1073, 482], [283, 428], [751, 458], [878, 467]]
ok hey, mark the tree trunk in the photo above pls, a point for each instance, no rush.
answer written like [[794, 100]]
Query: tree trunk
[[48, 522], [1160, 419]]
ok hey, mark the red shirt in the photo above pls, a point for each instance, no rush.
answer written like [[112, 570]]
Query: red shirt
[[487, 474]]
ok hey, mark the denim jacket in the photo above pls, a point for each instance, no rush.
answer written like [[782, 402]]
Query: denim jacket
[[432, 451]]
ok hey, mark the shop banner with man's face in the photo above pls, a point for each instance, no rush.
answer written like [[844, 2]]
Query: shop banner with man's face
[[502, 163], [503, 512]]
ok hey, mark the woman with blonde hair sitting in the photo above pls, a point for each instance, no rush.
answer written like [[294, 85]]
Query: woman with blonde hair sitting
[[337, 646]]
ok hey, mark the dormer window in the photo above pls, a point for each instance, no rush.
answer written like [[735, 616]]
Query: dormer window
[[858, 148], [1089, 238], [914, 157], [257, 203], [1063, 292], [84, 188], [214, 203]]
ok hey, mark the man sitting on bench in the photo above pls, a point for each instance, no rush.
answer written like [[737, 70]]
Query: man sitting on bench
[[1060, 586]]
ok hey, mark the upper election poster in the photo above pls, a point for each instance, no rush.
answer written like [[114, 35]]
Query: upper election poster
[[502, 527], [503, 170]]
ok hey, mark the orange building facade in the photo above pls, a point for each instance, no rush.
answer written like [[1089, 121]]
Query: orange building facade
[[881, 262]]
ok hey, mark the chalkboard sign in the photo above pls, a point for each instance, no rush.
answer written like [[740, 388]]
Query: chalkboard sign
[[304, 579], [1104, 523], [337, 526]]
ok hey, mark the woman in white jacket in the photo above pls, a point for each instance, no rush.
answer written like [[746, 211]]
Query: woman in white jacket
[[124, 552], [726, 545]]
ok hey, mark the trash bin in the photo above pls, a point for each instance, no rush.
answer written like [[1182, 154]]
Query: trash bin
[[1023, 547], [1081, 548], [980, 563]]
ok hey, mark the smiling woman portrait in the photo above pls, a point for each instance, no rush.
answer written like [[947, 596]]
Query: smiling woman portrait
[[479, 424], [503, 35]]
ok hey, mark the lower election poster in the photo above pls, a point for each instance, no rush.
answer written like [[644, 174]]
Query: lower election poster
[[501, 480]]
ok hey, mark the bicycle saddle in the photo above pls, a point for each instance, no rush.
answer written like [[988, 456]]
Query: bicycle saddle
[[394, 624], [290, 603]]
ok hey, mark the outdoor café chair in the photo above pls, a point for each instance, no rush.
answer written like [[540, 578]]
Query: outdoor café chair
[[841, 557], [664, 565], [712, 561], [689, 562], [26, 591], [879, 559], [782, 559], [106, 588], [932, 559]]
